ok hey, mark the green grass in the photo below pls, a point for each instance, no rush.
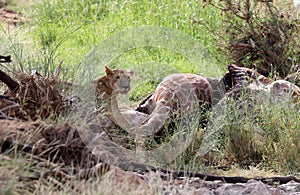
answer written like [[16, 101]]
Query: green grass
[[264, 134], [68, 30]]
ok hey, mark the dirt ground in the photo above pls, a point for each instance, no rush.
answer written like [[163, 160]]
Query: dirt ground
[[10, 17]]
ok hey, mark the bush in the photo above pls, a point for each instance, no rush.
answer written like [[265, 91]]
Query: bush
[[258, 34]]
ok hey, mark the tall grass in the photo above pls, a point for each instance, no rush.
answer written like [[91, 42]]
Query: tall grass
[[67, 30], [261, 133]]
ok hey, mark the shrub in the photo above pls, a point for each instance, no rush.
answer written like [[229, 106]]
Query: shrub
[[258, 34]]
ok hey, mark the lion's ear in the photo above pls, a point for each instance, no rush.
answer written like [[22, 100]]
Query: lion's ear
[[131, 72], [108, 71]]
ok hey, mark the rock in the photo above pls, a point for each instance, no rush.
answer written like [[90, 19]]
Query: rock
[[202, 191], [230, 189], [213, 184], [290, 187], [256, 188], [122, 178]]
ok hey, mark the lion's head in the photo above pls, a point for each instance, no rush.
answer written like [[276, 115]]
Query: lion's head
[[115, 81]]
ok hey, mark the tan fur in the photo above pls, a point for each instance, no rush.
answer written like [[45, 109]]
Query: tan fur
[[118, 80], [115, 82]]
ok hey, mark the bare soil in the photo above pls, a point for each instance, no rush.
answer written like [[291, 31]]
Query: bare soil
[[9, 17]]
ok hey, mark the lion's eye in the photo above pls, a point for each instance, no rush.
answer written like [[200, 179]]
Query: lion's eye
[[117, 77]]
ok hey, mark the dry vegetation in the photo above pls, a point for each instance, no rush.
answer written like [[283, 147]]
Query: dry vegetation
[[261, 35]]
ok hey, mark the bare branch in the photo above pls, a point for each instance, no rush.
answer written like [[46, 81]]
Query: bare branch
[[5, 59], [10, 82]]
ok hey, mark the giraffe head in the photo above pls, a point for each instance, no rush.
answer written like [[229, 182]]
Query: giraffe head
[[242, 75], [278, 88]]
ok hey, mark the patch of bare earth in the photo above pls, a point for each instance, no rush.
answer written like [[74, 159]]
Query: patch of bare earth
[[10, 17]]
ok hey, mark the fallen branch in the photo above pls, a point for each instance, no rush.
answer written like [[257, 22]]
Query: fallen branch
[[136, 167], [7, 80], [5, 59]]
